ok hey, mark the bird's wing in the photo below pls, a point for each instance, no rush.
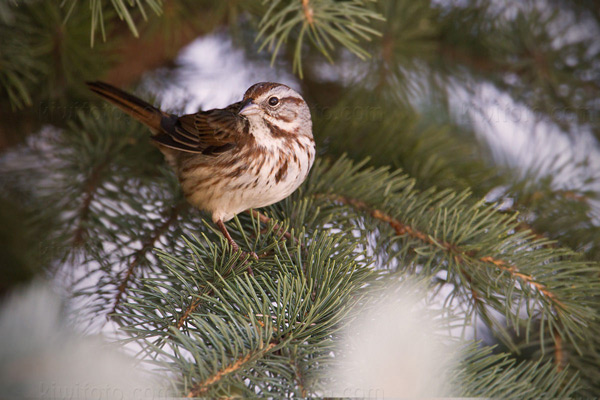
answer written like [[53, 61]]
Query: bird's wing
[[206, 132]]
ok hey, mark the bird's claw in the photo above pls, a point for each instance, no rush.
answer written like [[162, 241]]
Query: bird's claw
[[246, 257]]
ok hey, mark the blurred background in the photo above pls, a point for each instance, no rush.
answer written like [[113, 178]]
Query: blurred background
[[498, 98]]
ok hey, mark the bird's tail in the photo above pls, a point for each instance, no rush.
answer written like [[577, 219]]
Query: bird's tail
[[134, 106]]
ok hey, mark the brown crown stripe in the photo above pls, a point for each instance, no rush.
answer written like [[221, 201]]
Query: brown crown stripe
[[259, 89]]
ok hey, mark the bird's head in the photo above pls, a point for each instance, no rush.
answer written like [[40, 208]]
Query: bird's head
[[278, 107]]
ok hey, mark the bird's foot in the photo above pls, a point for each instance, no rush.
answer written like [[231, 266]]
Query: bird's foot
[[246, 257], [278, 230]]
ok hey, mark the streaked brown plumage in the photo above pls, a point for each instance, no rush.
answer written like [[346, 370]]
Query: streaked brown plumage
[[250, 154]]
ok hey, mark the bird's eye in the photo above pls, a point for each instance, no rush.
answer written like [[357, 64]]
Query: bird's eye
[[273, 101]]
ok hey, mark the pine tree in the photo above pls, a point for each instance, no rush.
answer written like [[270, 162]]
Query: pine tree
[[405, 185]]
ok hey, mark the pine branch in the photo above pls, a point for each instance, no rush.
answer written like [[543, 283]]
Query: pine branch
[[208, 291], [199, 389], [99, 10], [91, 186], [300, 378], [428, 47], [322, 21], [460, 223], [425, 144], [276, 230], [559, 353], [147, 245], [297, 319], [460, 256], [193, 306], [437, 152], [530, 380], [276, 227]]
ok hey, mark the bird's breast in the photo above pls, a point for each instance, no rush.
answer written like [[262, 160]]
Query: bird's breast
[[249, 177]]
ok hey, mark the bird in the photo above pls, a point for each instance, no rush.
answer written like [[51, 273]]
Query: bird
[[250, 154]]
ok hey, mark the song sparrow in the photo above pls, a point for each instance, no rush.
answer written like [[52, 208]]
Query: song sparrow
[[250, 154]]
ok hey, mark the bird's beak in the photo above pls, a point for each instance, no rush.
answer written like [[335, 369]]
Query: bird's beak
[[250, 108]]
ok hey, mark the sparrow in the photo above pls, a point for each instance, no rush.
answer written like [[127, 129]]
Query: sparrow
[[248, 155]]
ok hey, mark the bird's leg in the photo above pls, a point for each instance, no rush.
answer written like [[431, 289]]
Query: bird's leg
[[225, 233], [233, 244]]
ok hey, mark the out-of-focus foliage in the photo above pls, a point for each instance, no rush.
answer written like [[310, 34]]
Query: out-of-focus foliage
[[44, 57]]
